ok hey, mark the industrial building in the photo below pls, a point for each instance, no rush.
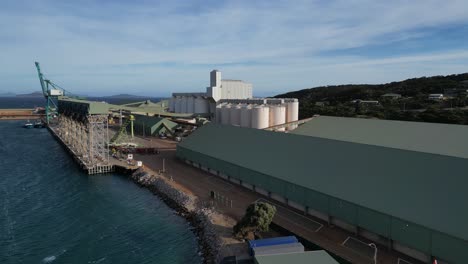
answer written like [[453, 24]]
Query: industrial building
[[152, 125], [231, 102], [200, 103], [400, 184], [308, 257]]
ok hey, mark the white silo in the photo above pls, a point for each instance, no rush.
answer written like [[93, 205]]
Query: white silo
[[277, 116], [246, 116], [201, 105], [178, 105], [260, 117], [292, 113], [171, 104], [225, 114], [218, 113], [234, 115], [190, 104], [183, 105]]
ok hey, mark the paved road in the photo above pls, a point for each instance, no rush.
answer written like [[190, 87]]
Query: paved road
[[201, 183]]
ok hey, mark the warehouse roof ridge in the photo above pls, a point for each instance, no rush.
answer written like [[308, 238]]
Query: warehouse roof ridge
[[435, 138]]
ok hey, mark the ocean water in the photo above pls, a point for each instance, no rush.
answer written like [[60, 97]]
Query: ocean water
[[51, 212]]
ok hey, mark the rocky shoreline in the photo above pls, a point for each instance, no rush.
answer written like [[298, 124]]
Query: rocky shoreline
[[186, 206]]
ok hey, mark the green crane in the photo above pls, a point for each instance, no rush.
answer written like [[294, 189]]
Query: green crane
[[51, 92], [121, 134]]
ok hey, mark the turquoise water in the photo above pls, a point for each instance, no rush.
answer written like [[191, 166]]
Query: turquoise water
[[50, 212]]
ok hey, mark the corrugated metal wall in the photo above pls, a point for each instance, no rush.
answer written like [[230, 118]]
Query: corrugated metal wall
[[412, 235]]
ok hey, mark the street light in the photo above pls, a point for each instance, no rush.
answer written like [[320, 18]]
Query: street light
[[372, 245]]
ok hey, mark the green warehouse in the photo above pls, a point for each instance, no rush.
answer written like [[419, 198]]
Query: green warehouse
[[400, 184], [152, 125]]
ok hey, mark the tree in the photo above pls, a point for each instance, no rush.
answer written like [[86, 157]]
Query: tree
[[257, 218]]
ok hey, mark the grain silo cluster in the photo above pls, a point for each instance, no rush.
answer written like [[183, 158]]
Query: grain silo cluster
[[231, 102], [189, 103], [257, 113]]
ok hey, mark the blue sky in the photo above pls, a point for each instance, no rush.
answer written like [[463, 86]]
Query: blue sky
[[158, 47]]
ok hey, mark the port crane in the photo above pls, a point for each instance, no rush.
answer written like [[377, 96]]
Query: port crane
[[51, 92]]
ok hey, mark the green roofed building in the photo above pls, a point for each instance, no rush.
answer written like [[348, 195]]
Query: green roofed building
[[387, 185], [152, 126], [308, 257], [69, 106]]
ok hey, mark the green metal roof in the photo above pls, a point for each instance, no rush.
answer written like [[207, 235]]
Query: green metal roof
[[151, 121], [422, 188], [94, 107], [443, 139], [83, 106], [308, 257]]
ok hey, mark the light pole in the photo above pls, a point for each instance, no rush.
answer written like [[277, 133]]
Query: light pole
[[372, 245]]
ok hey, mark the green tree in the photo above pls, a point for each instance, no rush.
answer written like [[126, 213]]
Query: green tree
[[257, 218]]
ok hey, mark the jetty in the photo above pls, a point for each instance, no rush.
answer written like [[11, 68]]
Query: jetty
[[82, 128]]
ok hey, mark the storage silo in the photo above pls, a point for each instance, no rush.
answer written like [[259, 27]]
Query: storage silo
[[201, 105], [178, 104], [292, 113], [260, 117], [171, 104], [234, 117], [190, 104], [225, 114], [183, 105], [277, 116], [246, 116], [218, 113]]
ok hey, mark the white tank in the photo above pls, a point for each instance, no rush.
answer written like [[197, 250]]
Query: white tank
[[171, 104], [178, 105], [201, 105], [277, 116], [218, 113], [190, 104], [292, 113], [260, 117], [183, 105], [246, 116], [225, 114], [234, 115]]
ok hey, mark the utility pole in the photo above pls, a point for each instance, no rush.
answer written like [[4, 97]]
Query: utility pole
[[164, 167]]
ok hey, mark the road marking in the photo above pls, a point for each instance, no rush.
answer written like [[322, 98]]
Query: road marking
[[402, 261], [354, 249], [287, 209]]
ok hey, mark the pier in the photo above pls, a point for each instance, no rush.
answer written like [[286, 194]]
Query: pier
[[82, 128]]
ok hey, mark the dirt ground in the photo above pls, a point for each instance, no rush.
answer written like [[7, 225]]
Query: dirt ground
[[18, 114], [233, 200]]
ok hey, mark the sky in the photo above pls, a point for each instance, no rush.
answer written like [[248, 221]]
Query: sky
[[154, 48]]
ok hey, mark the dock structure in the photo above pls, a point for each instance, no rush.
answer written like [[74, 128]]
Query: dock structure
[[83, 129]]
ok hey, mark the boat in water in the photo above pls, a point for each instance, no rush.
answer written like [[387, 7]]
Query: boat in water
[[38, 124], [28, 124]]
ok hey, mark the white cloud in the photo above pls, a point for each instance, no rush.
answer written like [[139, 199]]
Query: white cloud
[[81, 44]]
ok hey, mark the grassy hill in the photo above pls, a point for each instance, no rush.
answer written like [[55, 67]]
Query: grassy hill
[[413, 105]]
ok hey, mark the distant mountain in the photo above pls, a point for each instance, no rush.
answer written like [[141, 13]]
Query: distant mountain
[[33, 94], [126, 96], [9, 94]]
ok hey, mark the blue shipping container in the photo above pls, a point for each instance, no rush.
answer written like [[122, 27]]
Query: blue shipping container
[[272, 241]]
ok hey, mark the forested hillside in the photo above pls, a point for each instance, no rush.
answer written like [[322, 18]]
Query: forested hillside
[[413, 105]]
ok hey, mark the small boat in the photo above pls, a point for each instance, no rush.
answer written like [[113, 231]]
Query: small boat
[[39, 124], [28, 124]]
